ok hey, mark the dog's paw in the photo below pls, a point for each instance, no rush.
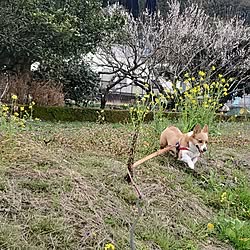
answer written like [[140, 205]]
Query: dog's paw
[[190, 165]]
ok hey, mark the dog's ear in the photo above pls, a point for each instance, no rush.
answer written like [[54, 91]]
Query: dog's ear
[[205, 129], [197, 129]]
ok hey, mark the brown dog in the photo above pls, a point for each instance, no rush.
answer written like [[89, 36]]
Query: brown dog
[[188, 146]]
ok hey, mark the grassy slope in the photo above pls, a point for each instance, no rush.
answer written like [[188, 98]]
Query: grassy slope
[[70, 193]]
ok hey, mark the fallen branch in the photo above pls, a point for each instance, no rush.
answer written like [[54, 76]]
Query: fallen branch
[[157, 153]]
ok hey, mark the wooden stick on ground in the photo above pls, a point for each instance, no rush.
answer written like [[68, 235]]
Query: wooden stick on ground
[[159, 152]]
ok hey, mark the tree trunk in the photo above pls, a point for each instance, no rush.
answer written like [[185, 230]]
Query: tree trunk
[[103, 99]]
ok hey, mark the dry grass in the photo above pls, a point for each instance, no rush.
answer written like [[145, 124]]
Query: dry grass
[[70, 193], [42, 92]]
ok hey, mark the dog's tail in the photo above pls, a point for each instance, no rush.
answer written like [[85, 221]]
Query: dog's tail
[[159, 152]]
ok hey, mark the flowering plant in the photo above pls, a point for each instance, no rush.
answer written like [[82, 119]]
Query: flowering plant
[[200, 101], [13, 116]]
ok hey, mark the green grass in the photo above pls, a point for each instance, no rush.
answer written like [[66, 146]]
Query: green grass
[[234, 230], [70, 193]]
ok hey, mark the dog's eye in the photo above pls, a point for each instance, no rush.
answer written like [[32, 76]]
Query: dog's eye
[[200, 141]]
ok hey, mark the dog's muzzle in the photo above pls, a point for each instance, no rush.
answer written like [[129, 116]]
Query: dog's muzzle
[[201, 149]]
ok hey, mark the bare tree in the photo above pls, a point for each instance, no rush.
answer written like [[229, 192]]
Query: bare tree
[[194, 41], [131, 53]]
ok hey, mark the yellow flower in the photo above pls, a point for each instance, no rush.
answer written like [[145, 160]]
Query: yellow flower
[[193, 78], [223, 80], [21, 108], [202, 73], [213, 68], [33, 103], [14, 97], [109, 246], [220, 75], [22, 124], [206, 86], [194, 90], [186, 81], [186, 75], [210, 227], [223, 197], [30, 107], [5, 108]]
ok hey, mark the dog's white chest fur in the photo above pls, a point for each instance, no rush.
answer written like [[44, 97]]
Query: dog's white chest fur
[[190, 156]]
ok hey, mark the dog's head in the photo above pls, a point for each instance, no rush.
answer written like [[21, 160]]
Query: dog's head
[[200, 138]]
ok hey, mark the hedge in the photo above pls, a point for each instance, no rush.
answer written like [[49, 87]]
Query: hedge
[[71, 114]]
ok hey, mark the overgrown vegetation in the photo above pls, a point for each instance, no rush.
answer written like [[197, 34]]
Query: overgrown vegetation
[[62, 186]]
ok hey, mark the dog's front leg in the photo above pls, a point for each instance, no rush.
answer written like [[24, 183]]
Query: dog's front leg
[[195, 159], [188, 160]]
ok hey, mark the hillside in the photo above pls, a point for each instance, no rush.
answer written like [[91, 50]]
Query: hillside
[[62, 187]]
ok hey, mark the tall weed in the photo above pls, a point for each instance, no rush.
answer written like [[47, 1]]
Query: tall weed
[[14, 117], [200, 101]]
